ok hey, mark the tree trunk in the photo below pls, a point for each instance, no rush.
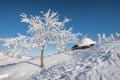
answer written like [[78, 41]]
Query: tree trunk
[[42, 58]]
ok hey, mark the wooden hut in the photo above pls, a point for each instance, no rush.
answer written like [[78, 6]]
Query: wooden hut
[[84, 43]]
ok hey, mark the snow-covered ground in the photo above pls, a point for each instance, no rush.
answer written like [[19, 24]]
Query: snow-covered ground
[[100, 62], [23, 69]]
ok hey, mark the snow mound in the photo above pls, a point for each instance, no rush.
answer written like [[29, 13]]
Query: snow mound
[[101, 62]]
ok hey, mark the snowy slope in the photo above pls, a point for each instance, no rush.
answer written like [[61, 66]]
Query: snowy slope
[[101, 62]]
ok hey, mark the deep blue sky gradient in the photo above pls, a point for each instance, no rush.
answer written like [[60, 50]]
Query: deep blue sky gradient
[[88, 16]]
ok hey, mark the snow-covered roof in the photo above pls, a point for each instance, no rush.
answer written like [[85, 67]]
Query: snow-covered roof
[[85, 41]]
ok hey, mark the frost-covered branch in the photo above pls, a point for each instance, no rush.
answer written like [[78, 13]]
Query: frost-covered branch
[[65, 37], [47, 29], [19, 44]]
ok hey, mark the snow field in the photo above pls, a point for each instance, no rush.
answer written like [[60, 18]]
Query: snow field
[[100, 62]]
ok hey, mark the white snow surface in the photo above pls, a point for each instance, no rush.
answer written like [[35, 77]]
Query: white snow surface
[[100, 62]]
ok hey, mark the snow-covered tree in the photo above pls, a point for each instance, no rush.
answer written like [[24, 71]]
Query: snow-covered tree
[[104, 37], [99, 38], [47, 29], [18, 44], [65, 37], [111, 37], [117, 35]]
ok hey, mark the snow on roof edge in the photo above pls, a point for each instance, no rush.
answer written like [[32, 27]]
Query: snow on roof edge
[[85, 41]]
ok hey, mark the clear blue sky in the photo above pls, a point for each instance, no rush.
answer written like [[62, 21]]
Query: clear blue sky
[[88, 16]]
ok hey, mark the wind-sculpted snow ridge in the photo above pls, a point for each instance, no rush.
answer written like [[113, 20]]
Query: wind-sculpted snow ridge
[[101, 62]]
